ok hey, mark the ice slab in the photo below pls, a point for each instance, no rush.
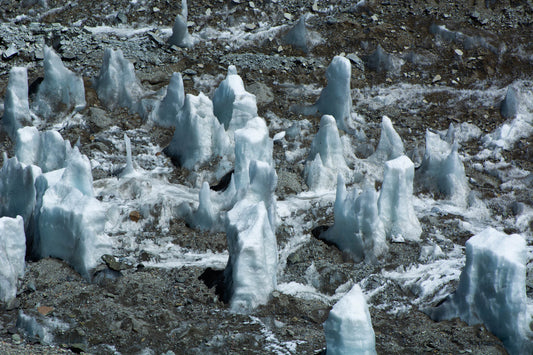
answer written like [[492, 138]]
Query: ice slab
[[335, 99], [250, 275], [198, 136], [326, 158], [395, 200], [45, 149], [16, 105], [348, 328], [492, 289], [60, 90], [251, 143], [17, 190], [12, 254]]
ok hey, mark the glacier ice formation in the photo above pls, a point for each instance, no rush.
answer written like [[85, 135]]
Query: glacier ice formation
[[46, 149], [492, 289], [509, 105], [61, 88], [390, 144], [326, 158], [250, 275], [71, 220], [180, 34], [12, 254], [16, 104], [395, 200], [166, 113], [199, 136], [348, 328], [297, 35], [335, 99], [442, 170], [232, 104], [358, 229], [116, 84]]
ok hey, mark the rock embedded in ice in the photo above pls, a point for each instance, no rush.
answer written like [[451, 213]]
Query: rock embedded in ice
[[509, 105], [16, 106], [252, 142], [297, 35], [390, 144], [47, 149], [335, 99], [358, 229], [250, 276], [180, 34], [166, 113], [12, 254], [198, 136], [61, 89], [17, 190], [326, 159], [116, 84], [348, 328], [395, 200], [492, 289], [232, 104]]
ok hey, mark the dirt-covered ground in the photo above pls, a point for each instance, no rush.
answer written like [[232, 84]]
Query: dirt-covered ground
[[130, 307]]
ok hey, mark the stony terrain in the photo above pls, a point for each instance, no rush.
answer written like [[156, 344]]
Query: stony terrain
[[132, 306]]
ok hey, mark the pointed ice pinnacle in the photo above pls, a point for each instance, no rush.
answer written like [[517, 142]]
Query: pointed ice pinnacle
[[380, 60], [390, 144], [204, 217], [442, 170], [509, 105], [116, 84], [335, 99], [349, 327], [167, 112], [358, 229], [297, 35], [12, 254], [128, 170], [60, 87], [180, 35], [232, 104], [395, 200], [492, 289], [16, 106], [198, 136], [326, 158]]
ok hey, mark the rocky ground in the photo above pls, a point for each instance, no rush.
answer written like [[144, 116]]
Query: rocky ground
[[130, 307]]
